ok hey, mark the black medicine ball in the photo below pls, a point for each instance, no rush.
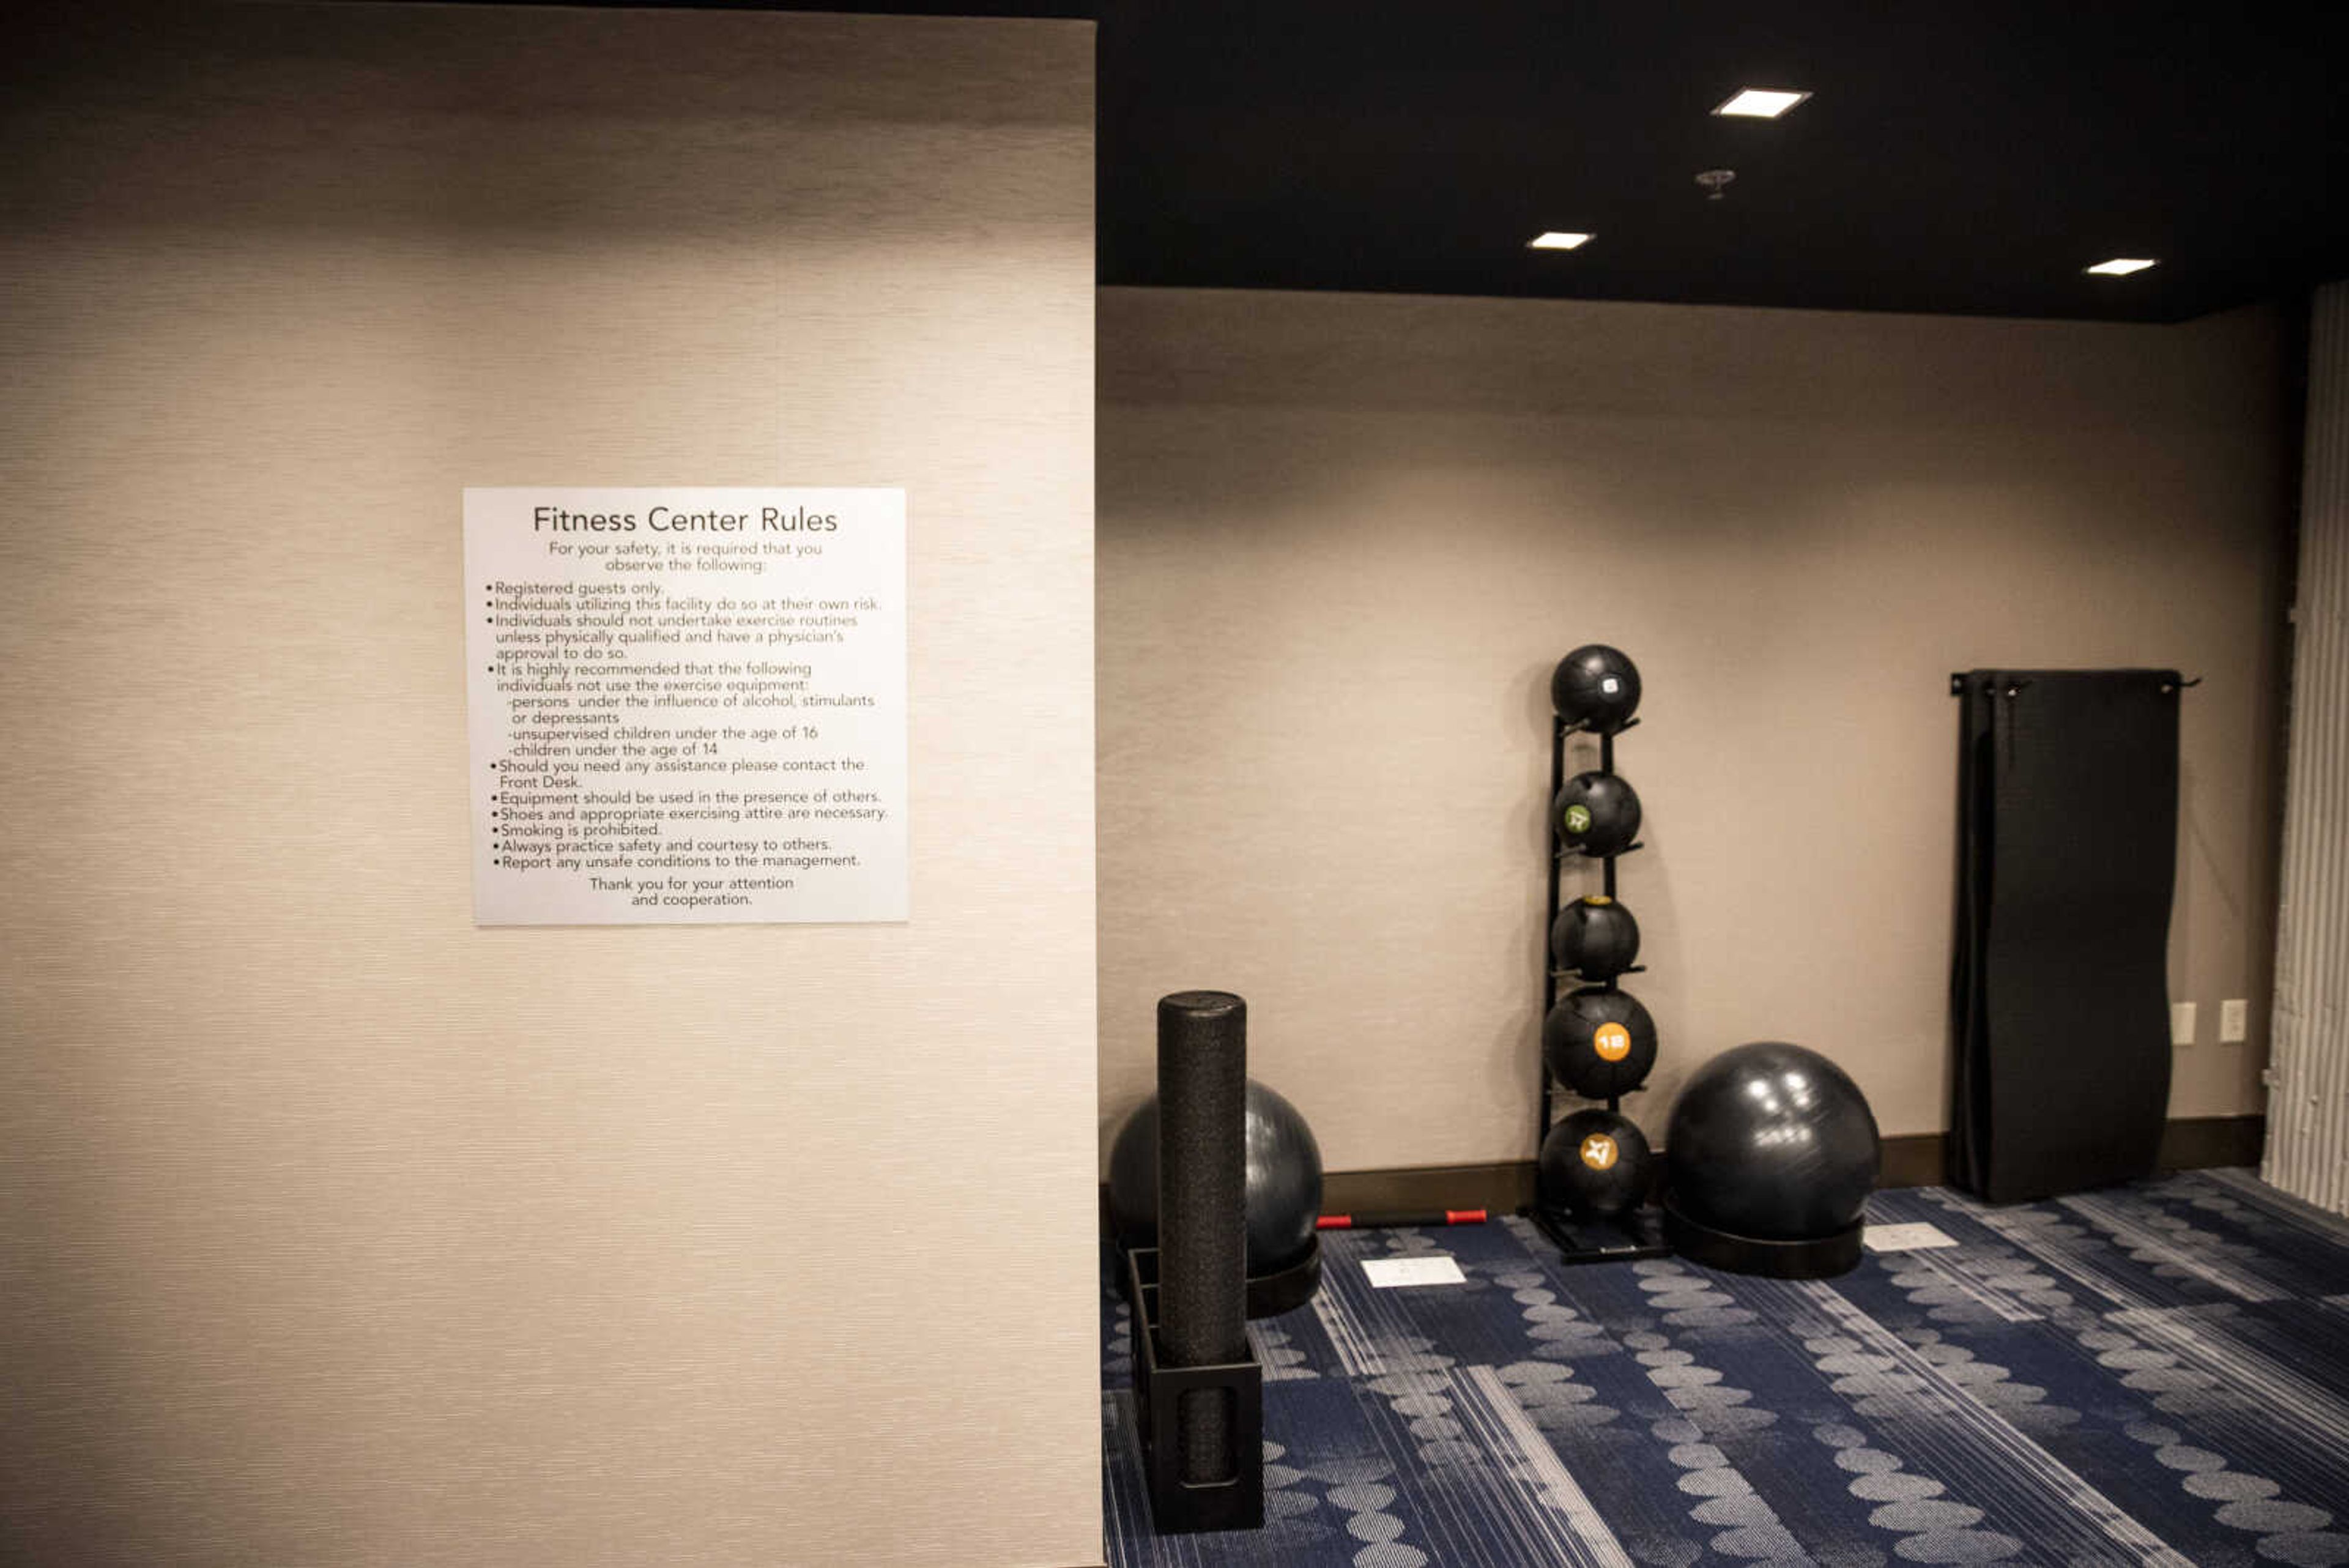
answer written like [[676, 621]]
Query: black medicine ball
[[1595, 688], [1598, 813], [1595, 938], [1600, 1042], [1595, 1164]]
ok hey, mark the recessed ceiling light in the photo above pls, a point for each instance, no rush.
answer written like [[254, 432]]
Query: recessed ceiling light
[[2121, 266], [1554, 241], [1761, 103]]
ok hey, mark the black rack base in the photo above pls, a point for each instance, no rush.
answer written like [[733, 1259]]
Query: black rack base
[[1630, 1238], [1232, 1498]]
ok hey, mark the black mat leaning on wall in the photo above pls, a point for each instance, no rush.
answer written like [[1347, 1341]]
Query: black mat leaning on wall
[[2067, 831]]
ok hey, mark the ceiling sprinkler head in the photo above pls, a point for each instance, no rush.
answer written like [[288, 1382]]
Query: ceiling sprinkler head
[[1715, 181]]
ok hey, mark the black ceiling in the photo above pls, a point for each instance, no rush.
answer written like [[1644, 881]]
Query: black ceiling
[[1965, 157], [1958, 156]]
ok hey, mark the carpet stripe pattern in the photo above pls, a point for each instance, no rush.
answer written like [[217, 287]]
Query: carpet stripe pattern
[[2154, 1375]]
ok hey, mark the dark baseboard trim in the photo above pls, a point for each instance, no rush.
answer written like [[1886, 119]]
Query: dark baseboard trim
[[1503, 1188], [1914, 1159], [2191, 1143], [2204, 1142]]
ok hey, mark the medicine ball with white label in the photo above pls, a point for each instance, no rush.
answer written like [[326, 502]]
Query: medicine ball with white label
[[1595, 688], [1599, 1042]]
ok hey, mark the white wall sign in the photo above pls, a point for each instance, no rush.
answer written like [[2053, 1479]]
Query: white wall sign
[[688, 705]]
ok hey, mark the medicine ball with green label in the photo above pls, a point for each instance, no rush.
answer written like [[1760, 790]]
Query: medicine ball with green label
[[1595, 937], [1598, 813], [1595, 688], [1599, 1042], [1595, 1165]]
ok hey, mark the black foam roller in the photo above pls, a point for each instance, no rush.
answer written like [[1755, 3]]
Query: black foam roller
[[1203, 1208]]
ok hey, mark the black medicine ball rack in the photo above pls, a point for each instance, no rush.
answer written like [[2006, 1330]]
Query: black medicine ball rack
[[1635, 1232]]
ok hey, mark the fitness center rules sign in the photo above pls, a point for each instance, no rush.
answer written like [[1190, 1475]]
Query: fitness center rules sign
[[686, 705]]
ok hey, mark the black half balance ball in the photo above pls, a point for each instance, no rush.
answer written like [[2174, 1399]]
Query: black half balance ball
[[1594, 937], [1769, 1157], [1598, 813], [1595, 688], [1283, 1189]]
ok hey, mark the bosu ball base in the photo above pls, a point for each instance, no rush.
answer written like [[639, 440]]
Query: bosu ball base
[[1268, 1295], [1286, 1290], [1234, 1499], [1819, 1257]]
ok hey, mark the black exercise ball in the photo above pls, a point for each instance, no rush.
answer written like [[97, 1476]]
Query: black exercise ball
[[1596, 813], [1772, 1142], [1594, 1165], [1595, 688], [1283, 1182], [1594, 937], [1599, 1042]]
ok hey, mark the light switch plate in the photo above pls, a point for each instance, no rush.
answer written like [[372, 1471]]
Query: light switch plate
[[2181, 1023], [2233, 1022]]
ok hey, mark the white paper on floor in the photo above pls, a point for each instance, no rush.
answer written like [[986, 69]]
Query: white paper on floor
[[1434, 1269], [1906, 1238]]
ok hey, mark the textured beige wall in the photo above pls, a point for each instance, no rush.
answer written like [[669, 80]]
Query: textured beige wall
[[333, 1229], [1344, 539]]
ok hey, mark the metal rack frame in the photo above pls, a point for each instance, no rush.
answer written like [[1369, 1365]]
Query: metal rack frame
[[1640, 1233]]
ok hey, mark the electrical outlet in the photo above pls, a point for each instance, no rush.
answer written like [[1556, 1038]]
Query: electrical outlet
[[2181, 1023], [2232, 1023]]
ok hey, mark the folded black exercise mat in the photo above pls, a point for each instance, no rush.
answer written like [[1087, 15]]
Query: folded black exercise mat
[[2067, 839]]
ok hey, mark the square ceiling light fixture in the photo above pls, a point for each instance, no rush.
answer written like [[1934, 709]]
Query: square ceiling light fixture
[[1761, 103], [1557, 241], [2121, 266]]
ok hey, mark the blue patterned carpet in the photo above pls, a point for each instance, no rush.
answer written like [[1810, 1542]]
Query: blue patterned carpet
[[2155, 1374]]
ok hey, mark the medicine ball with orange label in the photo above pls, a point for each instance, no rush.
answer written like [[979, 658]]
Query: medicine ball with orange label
[[1599, 1042], [1595, 1165]]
